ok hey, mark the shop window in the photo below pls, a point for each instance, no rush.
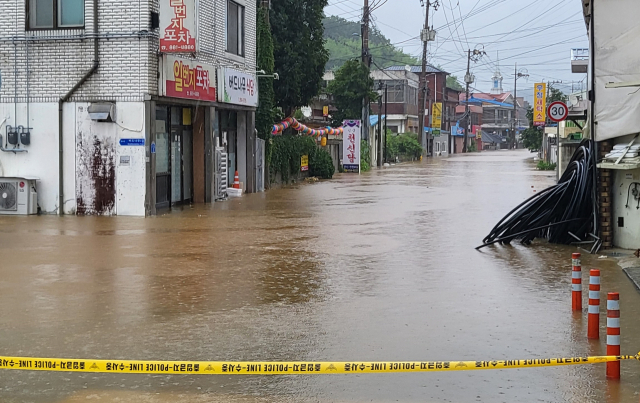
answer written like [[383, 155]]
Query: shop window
[[444, 146], [55, 14], [235, 28]]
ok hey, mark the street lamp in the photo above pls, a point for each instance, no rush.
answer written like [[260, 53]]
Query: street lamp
[[518, 74], [380, 95]]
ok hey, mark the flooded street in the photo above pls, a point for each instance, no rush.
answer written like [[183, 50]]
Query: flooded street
[[376, 267]]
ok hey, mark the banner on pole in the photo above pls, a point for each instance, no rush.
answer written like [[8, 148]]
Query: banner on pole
[[437, 115], [540, 104], [351, 145]]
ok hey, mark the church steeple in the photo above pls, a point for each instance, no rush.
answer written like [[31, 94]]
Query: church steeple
[[497, 79]]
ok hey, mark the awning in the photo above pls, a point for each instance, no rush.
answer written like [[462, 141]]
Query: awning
[[373, 120], [474, 100]]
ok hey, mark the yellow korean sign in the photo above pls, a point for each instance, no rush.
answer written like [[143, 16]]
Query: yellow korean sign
[[539, 104], [325, 111], [304, 163], [436, 122]]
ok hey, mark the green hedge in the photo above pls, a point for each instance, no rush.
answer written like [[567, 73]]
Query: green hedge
[[289, 149], [403, 146]]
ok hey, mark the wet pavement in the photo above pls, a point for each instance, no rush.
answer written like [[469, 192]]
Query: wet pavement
[[376, 267]]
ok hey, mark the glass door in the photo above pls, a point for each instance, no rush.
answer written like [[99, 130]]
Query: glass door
[[163, 173], [187, 163], [176, 166]]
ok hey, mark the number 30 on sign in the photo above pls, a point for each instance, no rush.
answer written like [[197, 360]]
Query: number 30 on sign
[[557, 111]]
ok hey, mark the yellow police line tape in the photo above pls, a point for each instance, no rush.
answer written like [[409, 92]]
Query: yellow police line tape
[[284, 368]]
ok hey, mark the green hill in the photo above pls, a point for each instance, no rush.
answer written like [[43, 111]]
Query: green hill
[[343, 43]]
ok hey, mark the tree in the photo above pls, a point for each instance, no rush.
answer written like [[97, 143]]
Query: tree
[[453, 83], [351, 84], [343, 45], [300, 55], [555, 95], [265, 115], [532, 136]]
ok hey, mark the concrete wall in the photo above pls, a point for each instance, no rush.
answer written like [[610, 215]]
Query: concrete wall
[[627, 236], [91, 156], [105, 184], [41, 159], [444, 150]]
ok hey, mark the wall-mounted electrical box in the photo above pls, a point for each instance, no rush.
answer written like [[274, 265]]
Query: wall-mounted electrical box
[[25, 136], [102, 112], [12, 135]]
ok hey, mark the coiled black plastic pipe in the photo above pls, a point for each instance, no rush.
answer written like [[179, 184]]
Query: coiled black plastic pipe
[[554, 213]]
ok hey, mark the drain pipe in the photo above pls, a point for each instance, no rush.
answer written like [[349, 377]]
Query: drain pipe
[[65, 98]]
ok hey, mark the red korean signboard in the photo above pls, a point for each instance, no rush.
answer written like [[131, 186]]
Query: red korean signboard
[[177, 26], [189, 79]]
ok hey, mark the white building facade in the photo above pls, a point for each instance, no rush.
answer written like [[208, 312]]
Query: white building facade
[[119, 107]]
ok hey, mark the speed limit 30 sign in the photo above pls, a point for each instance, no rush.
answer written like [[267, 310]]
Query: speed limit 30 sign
[[557, 111]]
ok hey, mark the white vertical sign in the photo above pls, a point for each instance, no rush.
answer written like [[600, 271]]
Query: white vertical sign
[[352, 131]]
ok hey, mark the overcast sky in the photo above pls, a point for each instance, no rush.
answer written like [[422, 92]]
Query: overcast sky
[[538, 35]]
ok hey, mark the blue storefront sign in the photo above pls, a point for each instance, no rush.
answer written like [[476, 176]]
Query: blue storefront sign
[[132, 142]]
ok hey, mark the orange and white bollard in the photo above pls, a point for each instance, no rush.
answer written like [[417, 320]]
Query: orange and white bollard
[[613, 333], [593, 327], [236, 181], [576, 283]]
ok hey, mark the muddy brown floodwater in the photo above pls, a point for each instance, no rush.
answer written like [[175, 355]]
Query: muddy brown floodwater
[[376, 267]]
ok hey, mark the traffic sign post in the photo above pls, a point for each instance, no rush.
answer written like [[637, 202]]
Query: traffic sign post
[[557, 111]]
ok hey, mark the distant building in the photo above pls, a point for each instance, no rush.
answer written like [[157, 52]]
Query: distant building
[[402, 98], [496, 89], [437, 92], [320, 105], [402, 87], [476, 113], [497, 111]]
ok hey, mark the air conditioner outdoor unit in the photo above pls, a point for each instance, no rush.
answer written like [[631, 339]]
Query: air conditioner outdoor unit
[[18, 196]]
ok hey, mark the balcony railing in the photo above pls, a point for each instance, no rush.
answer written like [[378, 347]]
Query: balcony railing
[[580, 54], [579, 60]]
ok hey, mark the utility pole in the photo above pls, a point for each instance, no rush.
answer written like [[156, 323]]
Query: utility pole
[[468, 79], [384, 153], [266, 4], [445, 112], [474, 55], [515, 101], [515, 104], [422, 103], [545, 138], [366, 59], [380, 93], [426, 35]]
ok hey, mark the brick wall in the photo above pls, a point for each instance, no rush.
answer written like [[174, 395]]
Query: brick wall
[[57, 59]]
